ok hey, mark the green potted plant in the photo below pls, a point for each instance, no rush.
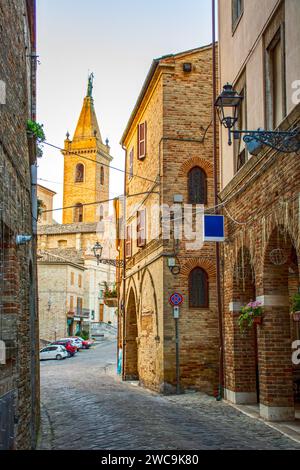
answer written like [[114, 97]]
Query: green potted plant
[[36, 130], [296, 307], [36, 136], [250, 314], [110, 295]]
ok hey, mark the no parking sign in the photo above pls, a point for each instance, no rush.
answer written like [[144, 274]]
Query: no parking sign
[[176, 299]]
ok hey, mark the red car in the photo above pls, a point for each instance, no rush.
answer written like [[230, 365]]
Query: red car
[[86, 343], [68, 345]]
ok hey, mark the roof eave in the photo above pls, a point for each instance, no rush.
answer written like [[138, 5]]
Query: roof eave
[[147, 81]]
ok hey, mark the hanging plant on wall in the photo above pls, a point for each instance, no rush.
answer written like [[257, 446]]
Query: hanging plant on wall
[[296, 307], [40, 207], [110, 295], [250, 314], [35, 130]]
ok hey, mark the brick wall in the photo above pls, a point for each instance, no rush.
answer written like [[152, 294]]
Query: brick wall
[[264, 200], [19, 378]]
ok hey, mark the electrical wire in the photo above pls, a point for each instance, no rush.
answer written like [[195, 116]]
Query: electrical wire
[[69, 184], [99, 202], [95, 161]]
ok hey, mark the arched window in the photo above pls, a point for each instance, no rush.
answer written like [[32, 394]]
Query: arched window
[[102, 175], [79, 173], [198, 288], [78, 213], [197, 186]]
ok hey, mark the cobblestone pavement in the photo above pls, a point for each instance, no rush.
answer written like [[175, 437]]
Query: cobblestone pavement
[[86, 406]]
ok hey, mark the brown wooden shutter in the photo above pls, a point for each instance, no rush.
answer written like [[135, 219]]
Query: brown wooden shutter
[[128, 242], [141, 228], [142, 140]]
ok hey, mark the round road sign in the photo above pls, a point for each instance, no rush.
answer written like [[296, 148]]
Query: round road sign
[[176, 299]]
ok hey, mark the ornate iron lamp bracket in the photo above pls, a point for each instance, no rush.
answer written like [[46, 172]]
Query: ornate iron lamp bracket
[[282, 141], [111, 262]]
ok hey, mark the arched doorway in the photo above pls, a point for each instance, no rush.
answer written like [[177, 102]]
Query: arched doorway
[[131, 335], [280, 283]]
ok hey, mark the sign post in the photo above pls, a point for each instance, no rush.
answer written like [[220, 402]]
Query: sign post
[[175, 300]]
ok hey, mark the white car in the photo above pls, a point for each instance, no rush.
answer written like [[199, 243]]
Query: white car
[[53, 352], [74, 341]]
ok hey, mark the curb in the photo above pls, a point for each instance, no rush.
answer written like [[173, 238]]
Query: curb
[[280, 427]]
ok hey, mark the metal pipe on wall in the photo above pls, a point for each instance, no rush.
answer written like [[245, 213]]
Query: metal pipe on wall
[[215, 158]]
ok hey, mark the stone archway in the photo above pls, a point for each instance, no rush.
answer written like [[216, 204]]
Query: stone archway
[[131, 336], [280, 279]]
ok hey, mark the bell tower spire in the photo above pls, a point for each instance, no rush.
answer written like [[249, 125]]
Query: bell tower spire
[[86, 167]]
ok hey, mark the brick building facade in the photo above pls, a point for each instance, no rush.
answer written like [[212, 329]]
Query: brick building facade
[[61, 294], [169, 163], [19, 367], [261, 206]]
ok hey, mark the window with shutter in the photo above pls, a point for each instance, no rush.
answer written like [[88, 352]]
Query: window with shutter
[[131, 156], [141, 228], [198, 288], [128, 242], [142, 140], [197, 186]]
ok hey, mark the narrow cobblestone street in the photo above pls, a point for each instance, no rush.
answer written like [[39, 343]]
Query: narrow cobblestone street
[[86, 406]]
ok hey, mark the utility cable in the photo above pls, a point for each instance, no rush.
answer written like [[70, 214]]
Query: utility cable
[[95, 161]]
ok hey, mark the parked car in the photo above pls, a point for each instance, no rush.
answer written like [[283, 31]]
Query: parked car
[[74, 341], [86, 343], [54, 351], [71, 350]]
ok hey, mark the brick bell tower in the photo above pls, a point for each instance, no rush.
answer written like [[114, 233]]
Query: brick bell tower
[[86, 167]]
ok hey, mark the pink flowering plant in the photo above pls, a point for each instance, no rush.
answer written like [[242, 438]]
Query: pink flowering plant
[[248, 314]]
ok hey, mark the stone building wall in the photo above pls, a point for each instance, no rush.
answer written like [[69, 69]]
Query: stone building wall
[[19, 377]]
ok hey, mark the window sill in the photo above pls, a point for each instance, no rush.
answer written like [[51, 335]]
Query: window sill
[[236, 24], [199, 308]]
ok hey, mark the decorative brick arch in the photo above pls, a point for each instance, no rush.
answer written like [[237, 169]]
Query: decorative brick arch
[[277, 289], [132, 285], [200, 262], [196, 161], [146, 270], [131, 334]]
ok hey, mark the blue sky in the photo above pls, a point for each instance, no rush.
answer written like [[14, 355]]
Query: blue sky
[[117, 40]]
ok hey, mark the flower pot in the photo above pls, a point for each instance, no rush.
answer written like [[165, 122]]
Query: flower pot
[[296, 316], [111, 302], [257, 320]]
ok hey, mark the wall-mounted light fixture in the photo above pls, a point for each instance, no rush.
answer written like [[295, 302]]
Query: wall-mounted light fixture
[[228, 106], [98, 249]]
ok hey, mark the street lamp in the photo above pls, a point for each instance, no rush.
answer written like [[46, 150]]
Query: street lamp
[[228, 105], [97, 249]]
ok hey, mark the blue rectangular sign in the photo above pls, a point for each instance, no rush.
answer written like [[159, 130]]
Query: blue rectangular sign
[[213, 227]]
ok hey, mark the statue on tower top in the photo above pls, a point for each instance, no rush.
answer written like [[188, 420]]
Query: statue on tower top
[[90, 85]]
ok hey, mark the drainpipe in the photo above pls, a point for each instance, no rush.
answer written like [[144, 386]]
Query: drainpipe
[[215, 158], [124, 271]]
